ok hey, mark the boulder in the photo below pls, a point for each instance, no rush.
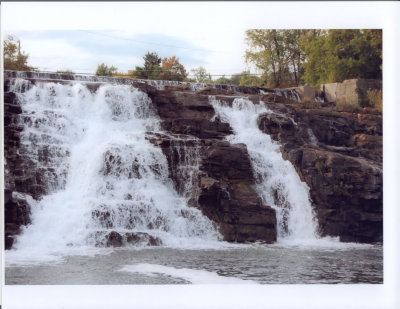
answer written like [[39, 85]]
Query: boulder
[[142, 239]]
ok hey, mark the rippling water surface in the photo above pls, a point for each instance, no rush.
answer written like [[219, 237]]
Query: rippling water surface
[[274, 264]]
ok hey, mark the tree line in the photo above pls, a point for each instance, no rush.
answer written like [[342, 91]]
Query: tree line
[[294, 57], [283, 58]]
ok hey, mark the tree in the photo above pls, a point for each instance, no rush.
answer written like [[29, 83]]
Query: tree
[[14, 59], [295, 56], [250, 80], [235, 79], [336, 55], [172, 69], [316, 66], [151, 68], [277, 54], [223, 81], [104, 70], [201, 76], [67, 71]]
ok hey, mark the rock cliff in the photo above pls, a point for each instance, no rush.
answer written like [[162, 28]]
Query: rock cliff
[[338, 154]]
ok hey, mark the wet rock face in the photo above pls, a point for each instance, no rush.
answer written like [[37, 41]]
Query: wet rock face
[[17, 213], [339, 156], [349, 194], [191, 132], [224, 186], [16, 208], [228, 196], [116, 239]]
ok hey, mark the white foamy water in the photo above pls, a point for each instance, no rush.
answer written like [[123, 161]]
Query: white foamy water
[[194, 276], [276, 179], [100, 172]]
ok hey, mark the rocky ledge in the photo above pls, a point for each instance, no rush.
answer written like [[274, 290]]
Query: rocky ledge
[[225, 183], [338, 154]]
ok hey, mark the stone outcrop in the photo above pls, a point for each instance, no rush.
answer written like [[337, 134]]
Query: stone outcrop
[[228, 196], [339, 156], [225, 182], [223, 189], [18, 178]]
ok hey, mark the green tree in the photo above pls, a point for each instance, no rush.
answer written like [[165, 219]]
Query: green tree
[[104, 70], [248, 79], [317, 66], [336, 55], [172, 69], [13, 58], [201, 76], [235, 79], [67, 71], [295, 56], [151, 68], [277, 54], [223, 81]]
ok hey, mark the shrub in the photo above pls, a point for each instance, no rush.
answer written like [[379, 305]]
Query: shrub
[[375, 98]]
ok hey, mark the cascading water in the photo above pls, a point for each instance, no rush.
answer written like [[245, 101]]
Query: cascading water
[[185, 158], [89, 160], [159, 84], [276, 179], [103, 175]]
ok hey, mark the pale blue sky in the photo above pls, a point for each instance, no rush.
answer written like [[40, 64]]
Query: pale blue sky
[[82, 50], [80, 35]]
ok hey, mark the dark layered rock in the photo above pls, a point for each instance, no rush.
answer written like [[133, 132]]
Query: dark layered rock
[[16, 208], [226, 191], [228, 196], [348, 191], [339, 155], [16, 213]]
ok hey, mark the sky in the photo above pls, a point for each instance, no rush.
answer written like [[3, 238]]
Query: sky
[[79, 36], [82, 35]]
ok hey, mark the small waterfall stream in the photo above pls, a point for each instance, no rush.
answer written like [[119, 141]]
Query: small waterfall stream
[[105, 182], [277, 181]]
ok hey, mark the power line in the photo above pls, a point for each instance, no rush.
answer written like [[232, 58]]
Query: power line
[[51, 70], [152, 43]]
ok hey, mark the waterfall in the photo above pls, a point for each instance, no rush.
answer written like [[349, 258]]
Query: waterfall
[[277, 182], [104, 182], [185, 162], [158, 84]]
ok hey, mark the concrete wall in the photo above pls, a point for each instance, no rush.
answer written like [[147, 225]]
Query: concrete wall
[[346, 92], [330, 91], [307, 93]]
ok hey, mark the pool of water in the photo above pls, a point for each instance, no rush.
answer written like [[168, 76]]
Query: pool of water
[[236, 264]]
